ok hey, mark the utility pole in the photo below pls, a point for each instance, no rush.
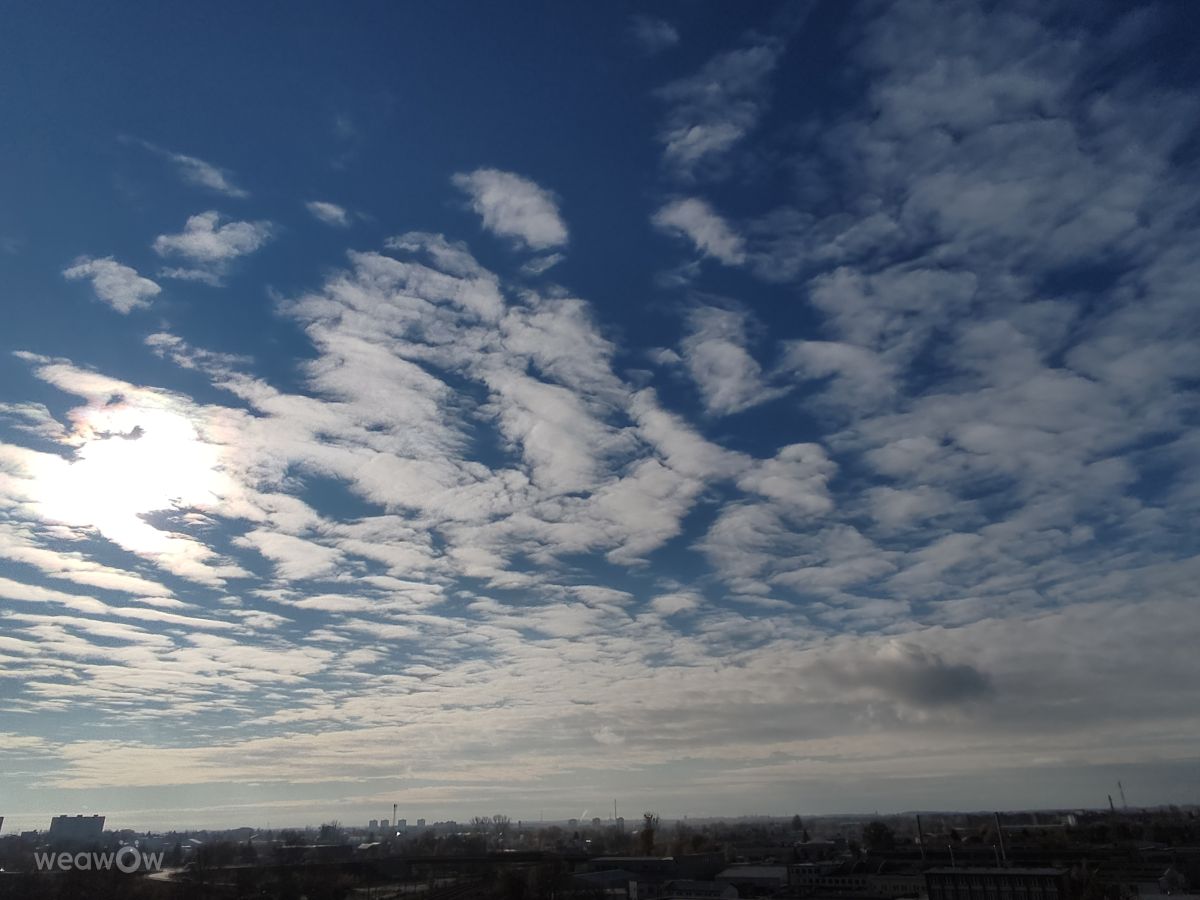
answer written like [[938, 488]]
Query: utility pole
[[1000, 837]]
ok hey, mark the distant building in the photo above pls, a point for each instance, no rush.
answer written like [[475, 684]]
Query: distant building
[[401, 824], [573, 823], [420, 823], [683, 889], [751, 880], [373, 825], [998, 884], [596, 822], [76, 828], [816, 851], [383, 823], [661, 867], [832, 880], [699, 866], [611, 884]]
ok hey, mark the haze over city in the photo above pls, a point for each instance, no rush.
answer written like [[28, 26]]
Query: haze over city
[[716, 408]]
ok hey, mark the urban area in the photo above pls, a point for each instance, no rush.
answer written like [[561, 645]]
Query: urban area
[[1114, 853]]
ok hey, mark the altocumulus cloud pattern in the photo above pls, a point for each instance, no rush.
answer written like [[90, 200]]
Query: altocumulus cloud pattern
[[797, 413]]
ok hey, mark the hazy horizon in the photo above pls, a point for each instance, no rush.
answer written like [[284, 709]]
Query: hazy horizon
[[632, 820]]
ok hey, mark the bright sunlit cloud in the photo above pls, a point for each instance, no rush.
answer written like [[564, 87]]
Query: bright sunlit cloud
[[129, 461]]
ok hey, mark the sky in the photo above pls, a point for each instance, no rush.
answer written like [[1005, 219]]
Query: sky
[[716, 408]]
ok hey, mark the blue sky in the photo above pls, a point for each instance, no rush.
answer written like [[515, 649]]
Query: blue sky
[[491, 408]]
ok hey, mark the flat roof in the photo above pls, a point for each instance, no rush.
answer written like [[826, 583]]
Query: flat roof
[[991, 870], [754, 872]]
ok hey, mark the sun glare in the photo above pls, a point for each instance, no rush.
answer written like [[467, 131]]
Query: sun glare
[[131, 461]]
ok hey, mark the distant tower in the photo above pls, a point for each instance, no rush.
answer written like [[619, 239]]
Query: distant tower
[[1121, 788]]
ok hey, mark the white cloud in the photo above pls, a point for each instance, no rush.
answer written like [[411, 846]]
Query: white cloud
[[210, 245], [713, 110], [715, 355], [212, 276], [120, 286], [295, 558], [797, 479], [198, 172], [514, 207], [926, 556], [540, 264], [863, 378], [653, 35], [195, 171], [205, 240], [329, 213], [694, 219], [676, 602]]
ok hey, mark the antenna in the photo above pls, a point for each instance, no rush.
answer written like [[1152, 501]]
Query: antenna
[[1121, 788]]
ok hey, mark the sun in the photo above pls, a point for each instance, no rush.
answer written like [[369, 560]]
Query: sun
[[130, 460]]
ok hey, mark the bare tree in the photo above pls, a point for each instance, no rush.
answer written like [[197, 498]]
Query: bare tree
[[648, 832]]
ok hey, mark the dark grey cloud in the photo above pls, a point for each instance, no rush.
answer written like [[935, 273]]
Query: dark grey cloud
[[908, 674]]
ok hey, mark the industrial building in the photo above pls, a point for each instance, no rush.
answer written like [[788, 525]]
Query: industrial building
[[75, 829], [998, 884]]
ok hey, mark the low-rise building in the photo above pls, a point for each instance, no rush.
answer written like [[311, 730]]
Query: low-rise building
[[685, 889], [752, 881], [612, 884], [998, 884], [880, 882]]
